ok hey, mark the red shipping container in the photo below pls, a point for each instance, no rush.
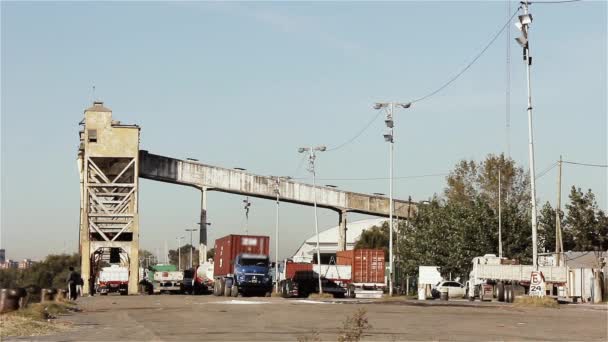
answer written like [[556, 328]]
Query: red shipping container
[[229, 247], [367, 265], [292, 267]]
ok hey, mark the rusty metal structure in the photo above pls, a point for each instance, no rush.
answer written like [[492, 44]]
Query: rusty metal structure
[[110, 164]]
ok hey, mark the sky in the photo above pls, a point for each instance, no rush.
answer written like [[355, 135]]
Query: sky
[[244, 84]]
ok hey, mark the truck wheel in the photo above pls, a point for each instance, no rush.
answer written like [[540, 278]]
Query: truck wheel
[[351, 291], [222, 287], [501, 291], [234, 291], [227, 290], [508, 293], [216, 288]]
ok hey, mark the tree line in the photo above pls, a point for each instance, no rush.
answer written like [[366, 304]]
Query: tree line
[[452, 228]]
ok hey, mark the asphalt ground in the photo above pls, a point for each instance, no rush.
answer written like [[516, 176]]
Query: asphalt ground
[[209, 318]]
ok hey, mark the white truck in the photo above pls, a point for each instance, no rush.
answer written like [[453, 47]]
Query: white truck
[[113, 279], [493, 276]]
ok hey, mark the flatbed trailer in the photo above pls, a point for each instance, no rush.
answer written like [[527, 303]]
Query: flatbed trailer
[[492, 276]]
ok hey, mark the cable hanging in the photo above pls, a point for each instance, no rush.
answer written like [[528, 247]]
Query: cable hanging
[[470, 63], [583, 164]]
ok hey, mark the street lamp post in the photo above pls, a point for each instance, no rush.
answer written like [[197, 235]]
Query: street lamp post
[[311, 168], [179, 253], [390, 138], [524, 41], [191, 247]]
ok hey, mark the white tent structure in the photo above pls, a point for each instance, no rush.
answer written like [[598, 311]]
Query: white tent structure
[[328, 240]]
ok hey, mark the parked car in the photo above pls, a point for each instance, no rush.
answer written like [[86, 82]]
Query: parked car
[[455, 289]]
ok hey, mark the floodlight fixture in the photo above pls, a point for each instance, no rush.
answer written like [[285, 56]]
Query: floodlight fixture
[[522, 41], [405, 105], [321, 148], [389, 123], [525, 19], [388, 137], [380, 105], [378, 194], [330, 186], [239, 168], [192, 159], [301, 150]]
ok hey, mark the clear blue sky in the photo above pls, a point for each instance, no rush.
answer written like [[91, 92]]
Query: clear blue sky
[[245, 84]]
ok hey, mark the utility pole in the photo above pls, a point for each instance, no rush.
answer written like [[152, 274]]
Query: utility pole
[[499, 217], [191, 247], [524, 25], [559, 247], [390, 138], [166, 253], [311, 168], [179, 253]]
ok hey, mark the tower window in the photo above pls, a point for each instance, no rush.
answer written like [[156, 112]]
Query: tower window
[[92, 135]]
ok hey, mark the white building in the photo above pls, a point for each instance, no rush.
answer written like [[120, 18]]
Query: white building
[[328, 240]]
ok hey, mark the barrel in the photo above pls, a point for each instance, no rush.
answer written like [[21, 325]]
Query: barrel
[[443, 294], [34, 294], [48, 295], [9, 299]]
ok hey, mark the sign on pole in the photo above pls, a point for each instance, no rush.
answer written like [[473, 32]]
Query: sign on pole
[[537, 284]]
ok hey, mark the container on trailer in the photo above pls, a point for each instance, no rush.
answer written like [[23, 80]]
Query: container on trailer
[[367, 265], [229, 247], [293, 268]]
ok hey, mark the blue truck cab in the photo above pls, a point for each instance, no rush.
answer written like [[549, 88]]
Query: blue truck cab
[[251, 275]]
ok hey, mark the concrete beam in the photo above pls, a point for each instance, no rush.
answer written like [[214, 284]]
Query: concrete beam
[[201, 176]]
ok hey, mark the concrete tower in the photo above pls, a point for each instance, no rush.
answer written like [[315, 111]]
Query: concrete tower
[[109, 220]]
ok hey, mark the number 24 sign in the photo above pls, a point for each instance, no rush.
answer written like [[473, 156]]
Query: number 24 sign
[[537, 284]]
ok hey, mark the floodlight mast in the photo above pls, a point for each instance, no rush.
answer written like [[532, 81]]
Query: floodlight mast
[[389, 137], [311, 168], [524, 25]]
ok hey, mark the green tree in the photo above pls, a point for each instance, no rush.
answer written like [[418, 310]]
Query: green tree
[[185, 256], [375, 238], [211, 253], [585, 225], [450, 231]]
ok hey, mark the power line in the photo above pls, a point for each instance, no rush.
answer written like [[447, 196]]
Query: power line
[[356, 135], [472, 62], [584, 164], [435, 91], [544, 172]]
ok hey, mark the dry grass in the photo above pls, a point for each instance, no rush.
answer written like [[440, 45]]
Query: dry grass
[[313, 337], [354, 326], [537, 302], [34, 320], [352, 329]]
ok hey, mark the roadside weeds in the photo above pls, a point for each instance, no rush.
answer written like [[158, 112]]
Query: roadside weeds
[[35, 320]]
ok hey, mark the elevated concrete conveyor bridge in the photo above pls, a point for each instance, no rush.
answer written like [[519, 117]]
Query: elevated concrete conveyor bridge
[[110, 164], [214, 178]]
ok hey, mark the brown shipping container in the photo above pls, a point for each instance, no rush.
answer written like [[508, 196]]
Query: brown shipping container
[[367, 265], [292, 267], [228, 247]]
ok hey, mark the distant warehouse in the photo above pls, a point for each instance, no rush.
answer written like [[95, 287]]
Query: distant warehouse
[[328, 241]]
